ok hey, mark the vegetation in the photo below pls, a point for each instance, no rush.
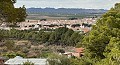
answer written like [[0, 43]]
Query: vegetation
[[103, 42], [13, 54], [8, 13], [28, 63], [9, 44], [13, 42], [61, 36]]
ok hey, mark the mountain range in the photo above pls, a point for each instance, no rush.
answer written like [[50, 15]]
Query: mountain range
[[65, 11]]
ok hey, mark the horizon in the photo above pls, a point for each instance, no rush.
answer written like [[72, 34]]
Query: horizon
[[84, 4], [65, 8]]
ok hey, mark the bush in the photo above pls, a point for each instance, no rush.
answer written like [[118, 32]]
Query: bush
[[28, 63]]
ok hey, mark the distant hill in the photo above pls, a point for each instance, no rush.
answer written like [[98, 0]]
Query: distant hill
[[62, 13], [65, 11]]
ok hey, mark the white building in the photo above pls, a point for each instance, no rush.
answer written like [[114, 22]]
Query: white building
[[19, 61]]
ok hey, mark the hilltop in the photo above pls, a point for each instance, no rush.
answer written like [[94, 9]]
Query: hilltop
[[63, 13], [66, 10]]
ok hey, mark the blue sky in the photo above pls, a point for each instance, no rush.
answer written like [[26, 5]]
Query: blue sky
[[96, 4]]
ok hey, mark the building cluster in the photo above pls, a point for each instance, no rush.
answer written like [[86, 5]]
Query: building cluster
[[75, 52], [83, 25]]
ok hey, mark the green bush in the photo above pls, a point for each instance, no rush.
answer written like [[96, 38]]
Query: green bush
[[28, 63]]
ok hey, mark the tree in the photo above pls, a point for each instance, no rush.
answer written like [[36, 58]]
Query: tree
[[112, 53], [102, 43], [67, 35], [10, 14], [45, 37], [75, 38], [20, 14], [56, 36], [59, 60], [52, 38]]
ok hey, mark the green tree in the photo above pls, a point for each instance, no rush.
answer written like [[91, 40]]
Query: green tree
[[45, 37], [59, 32], [102, 43], [52, 38], [8, 13], [56, 36], [75, 38], [58, 60], [66, 37], [112, 53], [20, 13]]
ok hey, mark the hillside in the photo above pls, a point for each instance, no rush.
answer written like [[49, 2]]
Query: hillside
[[62, 13], [65, 11]]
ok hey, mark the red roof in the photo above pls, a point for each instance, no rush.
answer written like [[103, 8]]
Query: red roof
[[79, 50], [85, 30]]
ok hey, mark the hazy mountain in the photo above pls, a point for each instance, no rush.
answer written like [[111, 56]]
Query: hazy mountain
[[65, 11]]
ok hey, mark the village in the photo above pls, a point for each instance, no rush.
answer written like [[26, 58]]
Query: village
[[59, 32], [82, 25]]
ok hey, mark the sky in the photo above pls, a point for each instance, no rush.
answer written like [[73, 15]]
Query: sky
[[87, 4]]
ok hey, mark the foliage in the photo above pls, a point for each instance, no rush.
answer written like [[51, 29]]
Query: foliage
[[56, 59], [59, 60], [102, 44], [28, 63], [61, 36], [53, 38], [12, 55], [73, 18], [10, 14]]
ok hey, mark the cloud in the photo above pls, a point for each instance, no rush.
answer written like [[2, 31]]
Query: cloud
[[104, 4]]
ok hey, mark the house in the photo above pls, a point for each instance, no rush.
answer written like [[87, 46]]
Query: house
[[19, 61], [77, 52], [68, 54]]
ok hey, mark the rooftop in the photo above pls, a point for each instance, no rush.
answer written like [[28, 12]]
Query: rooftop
[[19, 60]]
